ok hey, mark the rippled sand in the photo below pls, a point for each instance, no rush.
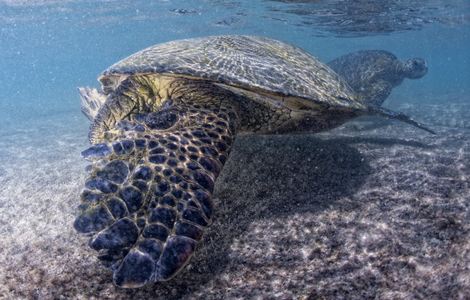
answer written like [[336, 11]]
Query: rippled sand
[[367, 210]]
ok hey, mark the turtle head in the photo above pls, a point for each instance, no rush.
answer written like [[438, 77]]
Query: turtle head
[[415, 68]]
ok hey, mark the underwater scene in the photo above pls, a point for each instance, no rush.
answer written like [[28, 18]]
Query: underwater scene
[[211, 149]]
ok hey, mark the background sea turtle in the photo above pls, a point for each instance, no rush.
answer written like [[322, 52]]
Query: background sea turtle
[[163, 128], [373, 73]]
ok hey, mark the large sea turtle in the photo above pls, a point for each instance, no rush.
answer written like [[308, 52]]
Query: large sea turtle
[[374, 73], [162, 129]]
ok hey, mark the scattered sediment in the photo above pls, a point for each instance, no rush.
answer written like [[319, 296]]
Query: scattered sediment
[[369, 210]]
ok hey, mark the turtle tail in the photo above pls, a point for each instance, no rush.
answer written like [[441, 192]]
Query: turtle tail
[[390, 114]]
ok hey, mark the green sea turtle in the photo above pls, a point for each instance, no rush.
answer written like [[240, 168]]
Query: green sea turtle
[[373, 73], [162, 129]]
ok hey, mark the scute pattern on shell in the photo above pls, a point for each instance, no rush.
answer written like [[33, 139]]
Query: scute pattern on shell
[[244, 61], [367, 65]]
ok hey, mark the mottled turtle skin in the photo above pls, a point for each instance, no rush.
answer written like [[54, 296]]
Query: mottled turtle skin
[[374, 73], [162, 129]]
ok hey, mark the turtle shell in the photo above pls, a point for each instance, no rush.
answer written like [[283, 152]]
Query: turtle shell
[[368, 64], [250, 63]]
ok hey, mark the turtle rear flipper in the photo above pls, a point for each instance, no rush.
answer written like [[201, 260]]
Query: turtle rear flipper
[[152, 201], [390, 114]]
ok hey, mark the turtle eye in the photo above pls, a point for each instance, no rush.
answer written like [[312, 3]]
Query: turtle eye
[[161, 120]]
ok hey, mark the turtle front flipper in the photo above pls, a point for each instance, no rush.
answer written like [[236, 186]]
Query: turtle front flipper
[[376, 93], [91, 101], [148, 197]]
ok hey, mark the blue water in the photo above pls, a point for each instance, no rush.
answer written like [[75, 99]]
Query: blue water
[[48, 48]]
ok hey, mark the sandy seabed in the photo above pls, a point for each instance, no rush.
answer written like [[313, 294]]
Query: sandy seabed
[[374, 209]]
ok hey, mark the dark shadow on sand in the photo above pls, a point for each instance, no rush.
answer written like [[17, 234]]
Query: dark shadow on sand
[[266, 177], [269, 177]]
